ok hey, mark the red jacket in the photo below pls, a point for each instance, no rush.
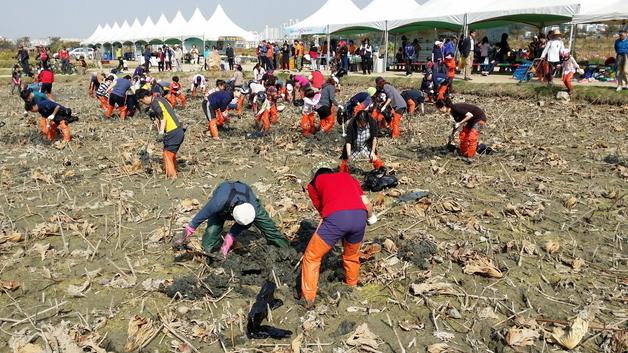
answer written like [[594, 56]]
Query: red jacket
[[450, 63], [336, 192], [46, 76]]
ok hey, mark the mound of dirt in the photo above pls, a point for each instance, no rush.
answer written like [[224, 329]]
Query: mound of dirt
[[417, 251]]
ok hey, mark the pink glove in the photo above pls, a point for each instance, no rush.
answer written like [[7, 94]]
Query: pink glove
[[187, 233], [227, 244]]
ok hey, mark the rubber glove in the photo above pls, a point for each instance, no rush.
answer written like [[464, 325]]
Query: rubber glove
[[227, 244], [51, 117], [372, 220]]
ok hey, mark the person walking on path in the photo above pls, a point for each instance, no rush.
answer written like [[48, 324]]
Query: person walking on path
[[408, 52], [178, 57], [621, 48], [552, 54], [366, 51], [467, 52], [233, 201]]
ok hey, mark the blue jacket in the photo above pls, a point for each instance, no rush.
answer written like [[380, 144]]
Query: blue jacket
[[220, 206], [449, 48], [621, 46], [219, 100]]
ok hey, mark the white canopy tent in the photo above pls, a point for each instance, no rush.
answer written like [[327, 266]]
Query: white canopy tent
[[176, 28], [195, 26], [103, 34], [333, 12], [220, 25], [611, 13], [136, 27], [124, 33], [537, 13], [378, 15], [161, 28], [146, 32], [112, 34], [94, 35]]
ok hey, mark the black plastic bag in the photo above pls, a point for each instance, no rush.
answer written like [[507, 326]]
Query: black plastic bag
[[259, 312], [378, 180]]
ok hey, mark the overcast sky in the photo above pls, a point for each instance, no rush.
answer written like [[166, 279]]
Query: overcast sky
[[79, 18]]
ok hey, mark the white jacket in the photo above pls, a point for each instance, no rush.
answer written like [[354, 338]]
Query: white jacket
[[552, 50]]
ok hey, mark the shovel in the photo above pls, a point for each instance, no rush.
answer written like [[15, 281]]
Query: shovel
[[143, 153], [405, 198]]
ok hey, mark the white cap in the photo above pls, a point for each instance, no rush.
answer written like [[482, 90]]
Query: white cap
[[244, 214], [438, 42]]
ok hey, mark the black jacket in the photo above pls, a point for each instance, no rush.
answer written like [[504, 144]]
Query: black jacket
[[229, 52], [352, 135], [465, 48]]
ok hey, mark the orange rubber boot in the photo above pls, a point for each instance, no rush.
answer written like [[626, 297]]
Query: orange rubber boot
[[65, 131], [314, 253], [213, 128], [172, 99], [51, 130], [441, 92], [265, 120], [43, 125], [170, 164], [307, 124], [240, 105], [182, 100], [274, 115], [123, 112], [395, 125], [411, 106], [109, 110], [351, 262]]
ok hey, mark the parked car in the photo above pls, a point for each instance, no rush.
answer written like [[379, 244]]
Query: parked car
[[76, 53]]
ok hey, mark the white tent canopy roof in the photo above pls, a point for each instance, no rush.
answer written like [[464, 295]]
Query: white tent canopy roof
[[615, 12], [195, 26], [124, 33], [94, 35], [532, 12], [161, 27], [220, 25], [333, 12], [378, 12], [136, 27], [113, 33], [147, 30], [103, 35], [176, 28], [448, 12]]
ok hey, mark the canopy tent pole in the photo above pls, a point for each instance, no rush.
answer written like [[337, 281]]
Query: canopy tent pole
[[465, 26], [386, 46], [328, 48], [571, 29]]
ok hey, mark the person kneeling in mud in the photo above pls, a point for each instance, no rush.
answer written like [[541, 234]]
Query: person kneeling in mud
[[35, 97], [233, 201], [170, 130], [361, 141], [345, 211], [216, 108], [472, 117], [56, 116]]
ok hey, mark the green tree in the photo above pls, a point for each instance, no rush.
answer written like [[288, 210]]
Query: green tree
[[25, 41], [6, 44]]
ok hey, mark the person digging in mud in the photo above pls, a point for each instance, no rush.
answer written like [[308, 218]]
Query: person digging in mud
[[345, 211], [472, 117], [216, 108], [35, 97], [176, 93], [326, 105], [233, 201], [359, 102], [117, 97], [198, 82], [394, 102], [361, 141], [56, 115], [170, 130], [414, 98], [102, 92]]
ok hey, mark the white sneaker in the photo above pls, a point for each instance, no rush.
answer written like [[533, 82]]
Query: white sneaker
[[619, 89]]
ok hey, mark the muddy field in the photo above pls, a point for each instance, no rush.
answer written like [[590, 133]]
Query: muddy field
[[521, 251]]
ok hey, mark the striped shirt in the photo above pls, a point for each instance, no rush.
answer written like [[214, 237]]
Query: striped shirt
[[102, 89]]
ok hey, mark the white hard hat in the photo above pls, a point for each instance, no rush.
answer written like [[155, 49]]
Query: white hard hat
[[244, 214]]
